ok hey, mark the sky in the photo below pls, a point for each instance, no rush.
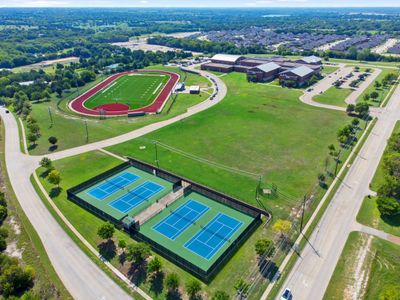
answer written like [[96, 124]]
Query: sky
[[199, 3]]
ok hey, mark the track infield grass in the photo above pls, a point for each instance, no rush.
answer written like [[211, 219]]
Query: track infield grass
[[75, 170], [334, 96], [134, 90], [382, 264]]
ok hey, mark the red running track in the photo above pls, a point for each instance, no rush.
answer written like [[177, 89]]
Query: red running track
[[156, 106]]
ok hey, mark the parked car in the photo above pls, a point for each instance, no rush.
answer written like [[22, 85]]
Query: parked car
[[287, 295], [7, 111]]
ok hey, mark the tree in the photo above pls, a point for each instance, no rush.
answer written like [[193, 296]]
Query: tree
[[388, 206], [122, 244], [32, 138], [154, 265], [262, 246], [106, 231], [350, 108], [220, 295], [33, 128], [362, 108], [53, 140], [241, 287], [366, 97], [374, 95], [137, 252], [355, 122], [15, 280], [390, 292], [377, 84], [46, 163], [193, 288], [54, 177], [172, 281], [391, 164], [282, 227]]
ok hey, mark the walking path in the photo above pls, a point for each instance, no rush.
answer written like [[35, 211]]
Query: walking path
[[80, 275], [375, 232]]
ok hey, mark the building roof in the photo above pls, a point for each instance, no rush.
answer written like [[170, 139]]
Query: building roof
[[217, 65], [226, 57], [311, 59], [268, 67], [301, 71]]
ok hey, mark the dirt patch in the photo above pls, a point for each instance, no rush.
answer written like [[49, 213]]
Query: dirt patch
[[359, 271], [12, 250]]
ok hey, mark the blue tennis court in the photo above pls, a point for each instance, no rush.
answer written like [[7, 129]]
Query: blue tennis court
[[213, 236], [110, 186], [180, 219], [137, 196]]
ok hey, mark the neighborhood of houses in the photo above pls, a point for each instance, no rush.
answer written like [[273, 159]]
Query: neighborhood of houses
[[259, 69]]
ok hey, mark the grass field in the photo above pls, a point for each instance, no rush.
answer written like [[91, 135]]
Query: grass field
[[134, 90], [334, 96], [329, 69], [382, 264], [257, 128], [102, 129], [382, 93], [74, 170]]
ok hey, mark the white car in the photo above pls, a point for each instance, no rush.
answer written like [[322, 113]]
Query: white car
[[287, 295]]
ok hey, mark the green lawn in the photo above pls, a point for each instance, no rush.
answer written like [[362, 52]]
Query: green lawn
[[101, 129], [382, 92], [334, 96], [257, 128], [135, 90], [369, 215], [382, 263], [75, 170], [329, 69]]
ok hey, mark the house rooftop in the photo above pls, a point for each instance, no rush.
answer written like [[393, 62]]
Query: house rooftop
[[311, 59], [300, 71]]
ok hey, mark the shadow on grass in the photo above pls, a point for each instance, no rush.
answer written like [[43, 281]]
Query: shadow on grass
[[157, 283], [267, 268], [138, 273], [44, 173], [32, 146], [53, 148], [392, 221], [107, 250], [55, 192], [173, 295], [122, 258]]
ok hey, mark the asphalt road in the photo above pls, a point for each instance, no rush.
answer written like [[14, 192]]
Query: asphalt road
[[81, 276], [310, 276]]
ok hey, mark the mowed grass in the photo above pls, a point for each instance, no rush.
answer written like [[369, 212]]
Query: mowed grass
[[329, 69], [135, 90], [257, 128], [382, 263], [382, 92], [334, 96], [70, 129], [77, 169]]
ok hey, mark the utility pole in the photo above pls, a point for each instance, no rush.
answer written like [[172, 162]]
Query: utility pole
[[156, 152]]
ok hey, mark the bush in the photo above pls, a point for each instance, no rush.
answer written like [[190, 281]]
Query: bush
[[220, 295], [3, 213], [3, 244], [172, 281], [14, 280], [193, 288], [53, 140], [262, 246], [390, 292]]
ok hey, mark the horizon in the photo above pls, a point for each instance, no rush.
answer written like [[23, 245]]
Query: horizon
[[257, 4]]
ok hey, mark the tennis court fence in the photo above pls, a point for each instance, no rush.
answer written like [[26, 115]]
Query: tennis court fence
[[204, 275]]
